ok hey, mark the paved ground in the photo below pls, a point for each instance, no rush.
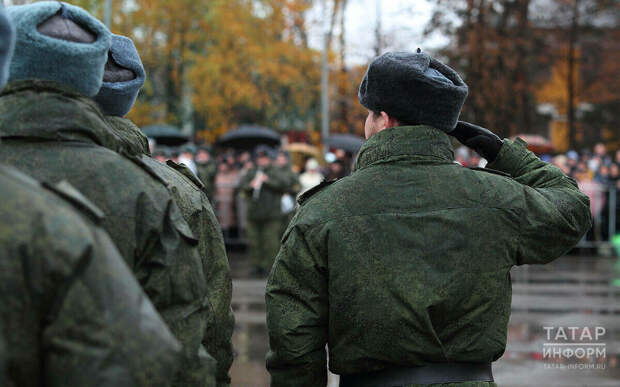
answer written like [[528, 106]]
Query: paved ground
[[571, 292]]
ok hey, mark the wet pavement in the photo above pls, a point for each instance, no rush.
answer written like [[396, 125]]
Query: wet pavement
[[555, 309]]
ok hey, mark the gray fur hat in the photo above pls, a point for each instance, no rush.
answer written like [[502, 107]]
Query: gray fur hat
[[37, 56], [117, 98], [415, 89], [7, 44]]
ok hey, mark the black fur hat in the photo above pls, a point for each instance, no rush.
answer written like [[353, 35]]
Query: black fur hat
[[415, 89]]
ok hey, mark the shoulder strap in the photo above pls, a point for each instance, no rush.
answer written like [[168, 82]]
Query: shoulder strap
[[75, 197], [493, 171], [185, 171], [311, 192]]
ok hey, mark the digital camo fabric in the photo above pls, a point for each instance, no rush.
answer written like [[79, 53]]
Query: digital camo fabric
[[53, 134], [187, 192], [407, 261], [71, 312]]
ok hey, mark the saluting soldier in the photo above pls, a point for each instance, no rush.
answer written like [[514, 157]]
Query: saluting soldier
[[403, 268], [53, 130], [123, 78]]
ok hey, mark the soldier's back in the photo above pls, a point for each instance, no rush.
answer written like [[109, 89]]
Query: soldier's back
[[68, 139], [71, 312]]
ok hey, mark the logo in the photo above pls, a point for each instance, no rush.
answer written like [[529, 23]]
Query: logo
[[575, 347]]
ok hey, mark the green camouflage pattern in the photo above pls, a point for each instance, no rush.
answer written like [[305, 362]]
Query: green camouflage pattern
[[71, 312], [131, 138], [264, 242], [207, 173], [268, 205], [407, 261], [54, 134], [264, 225], [187, 192]]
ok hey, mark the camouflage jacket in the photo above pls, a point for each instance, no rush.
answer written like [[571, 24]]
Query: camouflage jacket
[[268, 204], [187, 192], [407, 261], [70, 310], [54, 134]]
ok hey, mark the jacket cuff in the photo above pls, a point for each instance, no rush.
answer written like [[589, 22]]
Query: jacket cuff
[[510, 157]]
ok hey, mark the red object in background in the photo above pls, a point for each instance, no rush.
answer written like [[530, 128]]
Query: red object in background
[[536, 143]]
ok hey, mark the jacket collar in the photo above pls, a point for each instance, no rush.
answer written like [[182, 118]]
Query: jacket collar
[[47, 111], [406, 142]]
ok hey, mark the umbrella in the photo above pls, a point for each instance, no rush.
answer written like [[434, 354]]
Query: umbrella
[[300, 151], [536, 143], [165, 134], [348, 142], [249, 136]]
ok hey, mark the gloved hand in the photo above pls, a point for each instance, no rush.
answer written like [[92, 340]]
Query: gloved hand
[[482, 140]]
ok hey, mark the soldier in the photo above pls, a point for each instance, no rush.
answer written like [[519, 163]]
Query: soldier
[[288, 202], [71, 311], [53, 130], [123, 78], [207, 171], [263, 187], [404, 266]]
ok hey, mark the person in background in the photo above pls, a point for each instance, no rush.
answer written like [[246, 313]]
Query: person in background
[[226, 181], [336, 170], [207, 170], [311, 177], [263, 187], [288, 198], [123, 78], [186, 157]]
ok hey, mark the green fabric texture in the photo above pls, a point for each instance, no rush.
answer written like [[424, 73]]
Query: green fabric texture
[[54, 134], [196, 210], [264, 242], [71, 312], [268, 204], [407, 261]]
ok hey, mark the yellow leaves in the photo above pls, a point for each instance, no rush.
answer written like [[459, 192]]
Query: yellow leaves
[[555, 90]]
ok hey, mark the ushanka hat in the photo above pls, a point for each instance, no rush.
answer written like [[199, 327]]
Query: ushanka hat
[[68, 61], [123, 78], [415, 89], [7, 43]]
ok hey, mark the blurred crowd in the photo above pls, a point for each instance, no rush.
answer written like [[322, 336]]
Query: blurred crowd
[[223, 172]]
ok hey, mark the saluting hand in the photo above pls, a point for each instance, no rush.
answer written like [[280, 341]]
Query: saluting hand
[[483, 141]]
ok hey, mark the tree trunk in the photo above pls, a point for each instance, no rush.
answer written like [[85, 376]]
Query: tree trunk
[[572, 68]]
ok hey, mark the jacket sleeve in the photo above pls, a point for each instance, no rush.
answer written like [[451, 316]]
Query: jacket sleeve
[[555, 214], [278, 180], [297, 315], [103, 328], [170, 270], [217, 339]]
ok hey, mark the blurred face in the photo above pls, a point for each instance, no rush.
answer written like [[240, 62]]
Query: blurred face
[[263, 161], [599, 149], [203, 156], [281, 160]]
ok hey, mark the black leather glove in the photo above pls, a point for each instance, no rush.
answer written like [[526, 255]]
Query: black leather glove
[[482, 140]]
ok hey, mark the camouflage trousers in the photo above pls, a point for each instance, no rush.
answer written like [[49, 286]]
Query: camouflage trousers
[[264, 242]]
